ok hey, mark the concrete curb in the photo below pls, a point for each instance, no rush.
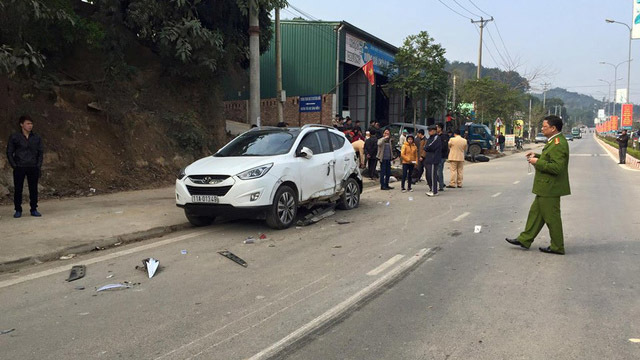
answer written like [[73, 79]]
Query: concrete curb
[[110, 242]]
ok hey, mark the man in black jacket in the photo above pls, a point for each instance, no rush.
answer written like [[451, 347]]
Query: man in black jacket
[[444, 138], [433, 151], [24, 151], [623, 141], [370, 152]]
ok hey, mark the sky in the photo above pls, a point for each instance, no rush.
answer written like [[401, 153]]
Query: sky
[[563, 41]]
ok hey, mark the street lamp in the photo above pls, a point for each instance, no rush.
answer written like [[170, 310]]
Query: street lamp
[[608, 94], [615, 79], [610, 21]]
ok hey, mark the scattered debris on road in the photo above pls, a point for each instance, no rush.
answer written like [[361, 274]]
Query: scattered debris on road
[[2, 332], [249, 240], [337, 247], [231, 256], [388, 203], [98, 248], [455, 233], [477, 229], [410, 198], [77, 272], [109, 276], [183, 252], [67, 257], [316, 215], [272, 245], [114, 287], [263, 237], [343, 222], [79, 287], [150, 265]]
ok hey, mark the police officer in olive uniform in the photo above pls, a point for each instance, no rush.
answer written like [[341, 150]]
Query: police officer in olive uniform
[[550, 183]]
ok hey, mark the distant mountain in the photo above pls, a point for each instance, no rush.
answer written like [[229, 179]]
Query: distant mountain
[[581, 108]]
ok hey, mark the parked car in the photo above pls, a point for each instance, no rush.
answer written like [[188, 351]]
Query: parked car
[[568, 137], [268, 173], [540, 138]]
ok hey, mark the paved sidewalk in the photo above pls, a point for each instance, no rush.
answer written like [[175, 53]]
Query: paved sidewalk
[[80, 224]]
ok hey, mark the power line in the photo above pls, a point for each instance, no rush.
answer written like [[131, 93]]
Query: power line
[[476, 6], [467, 10], [506, 49], [507, 64], [489, 51], [450, 8]]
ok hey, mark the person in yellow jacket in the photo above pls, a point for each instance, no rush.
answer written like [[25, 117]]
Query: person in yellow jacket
[[409, 155]]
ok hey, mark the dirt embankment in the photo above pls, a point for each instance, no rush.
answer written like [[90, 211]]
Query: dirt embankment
[[104, 135]]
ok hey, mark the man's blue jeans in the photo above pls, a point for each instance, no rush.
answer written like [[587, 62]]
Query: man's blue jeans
[[441, 173], [385, 173]]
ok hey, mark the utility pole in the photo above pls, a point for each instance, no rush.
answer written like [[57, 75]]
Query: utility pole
[[544, 95], [254, 64], [453, 101], [529, 132], [279, 68], [483, 22]]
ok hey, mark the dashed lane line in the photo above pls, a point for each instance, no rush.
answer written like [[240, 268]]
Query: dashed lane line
[[462, 216], [496, 194], [516, 182]]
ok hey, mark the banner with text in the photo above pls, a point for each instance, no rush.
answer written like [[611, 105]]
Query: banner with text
[[635, 32], [614, 123], [358, 52], [627, 116]]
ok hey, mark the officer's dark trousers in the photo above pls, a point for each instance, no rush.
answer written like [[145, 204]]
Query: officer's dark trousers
[[544, 210], [31, 173], [371, 167], [432, 176], [623, 154]]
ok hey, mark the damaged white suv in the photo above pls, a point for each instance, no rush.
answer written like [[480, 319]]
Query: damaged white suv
[[268, 173]]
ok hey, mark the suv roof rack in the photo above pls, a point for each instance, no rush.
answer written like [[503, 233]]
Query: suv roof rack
[[316, 125]]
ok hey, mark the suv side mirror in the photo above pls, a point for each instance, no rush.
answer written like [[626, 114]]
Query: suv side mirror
[[305, 152]]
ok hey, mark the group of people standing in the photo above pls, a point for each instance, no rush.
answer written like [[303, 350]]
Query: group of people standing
[[420, 154]]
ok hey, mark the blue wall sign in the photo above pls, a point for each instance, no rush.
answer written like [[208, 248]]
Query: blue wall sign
[[311, 103]]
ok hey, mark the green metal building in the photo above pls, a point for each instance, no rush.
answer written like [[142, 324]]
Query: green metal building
[[324, 58]]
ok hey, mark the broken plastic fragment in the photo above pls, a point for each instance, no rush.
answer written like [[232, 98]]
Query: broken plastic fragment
[[67, 257], [263, 236], [477, 229], [183, 252], [113, 287], [249, 240], [231, 256], [635, 340], [152, 265], [2, 332], [77, 272]]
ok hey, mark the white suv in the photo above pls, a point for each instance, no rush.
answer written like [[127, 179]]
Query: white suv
[[268, 173]]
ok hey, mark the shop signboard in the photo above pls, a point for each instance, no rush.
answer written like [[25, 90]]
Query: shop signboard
[[358, 52], [310, 103]]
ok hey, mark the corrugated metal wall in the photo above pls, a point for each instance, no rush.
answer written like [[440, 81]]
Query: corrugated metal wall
[[308, 60]]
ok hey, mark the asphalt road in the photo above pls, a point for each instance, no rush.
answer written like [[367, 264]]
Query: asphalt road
[[471, 296]]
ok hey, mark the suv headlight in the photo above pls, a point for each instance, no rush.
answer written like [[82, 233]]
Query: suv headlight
[[256, 172], [181, 174]]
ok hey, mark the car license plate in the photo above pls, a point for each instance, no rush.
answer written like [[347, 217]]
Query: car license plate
[[210, 199]]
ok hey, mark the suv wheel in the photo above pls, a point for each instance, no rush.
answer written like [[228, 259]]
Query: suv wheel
[[475, 149], [284, 210], [199, 220], [350, 198]]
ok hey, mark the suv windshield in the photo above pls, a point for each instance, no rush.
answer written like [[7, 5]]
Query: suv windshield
[[260, 143]]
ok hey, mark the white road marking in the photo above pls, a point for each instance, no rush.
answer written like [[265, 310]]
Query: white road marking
[[496, 194], [516, 182], [98, 259], [385, 265], [341, 308], [243, 317], [462, 216]]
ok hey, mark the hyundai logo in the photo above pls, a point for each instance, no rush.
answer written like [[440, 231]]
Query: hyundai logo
[[210, 180]]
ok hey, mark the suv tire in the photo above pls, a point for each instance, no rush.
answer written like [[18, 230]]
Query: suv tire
[[199, 220], [284, 210], [475, 149], [350, 198]]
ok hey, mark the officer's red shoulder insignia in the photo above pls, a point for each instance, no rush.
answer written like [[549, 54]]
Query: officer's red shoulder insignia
[[557, 141]]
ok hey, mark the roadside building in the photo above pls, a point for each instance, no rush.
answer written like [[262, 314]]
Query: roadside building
[[321, 77]]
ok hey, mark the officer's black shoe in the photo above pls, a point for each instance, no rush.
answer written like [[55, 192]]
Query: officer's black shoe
[[515, 242], [548, 250]]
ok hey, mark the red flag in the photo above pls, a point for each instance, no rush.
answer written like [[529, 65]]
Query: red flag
[[368, 72]]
